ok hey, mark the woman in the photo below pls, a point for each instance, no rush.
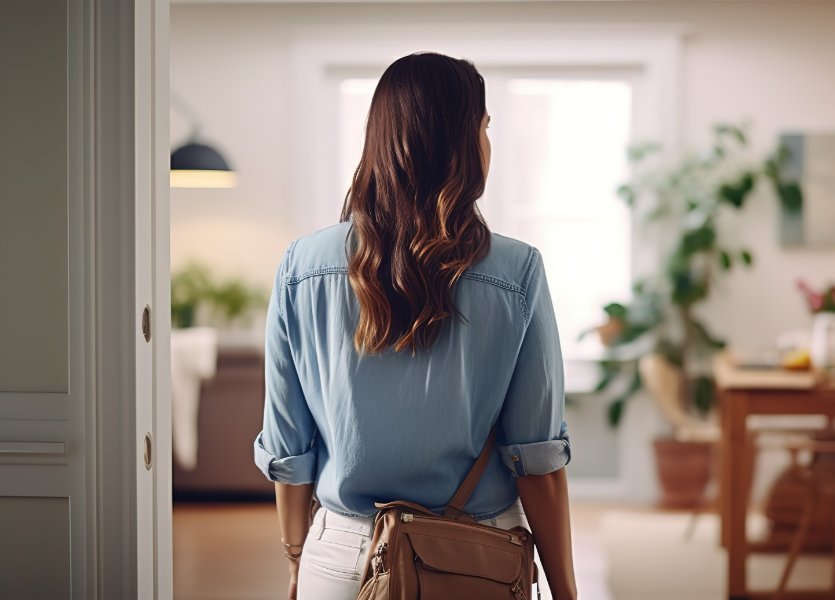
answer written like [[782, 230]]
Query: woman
[[397, 337]]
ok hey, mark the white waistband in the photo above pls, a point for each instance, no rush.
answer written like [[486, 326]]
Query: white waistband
[[332, 520], [365, 525]]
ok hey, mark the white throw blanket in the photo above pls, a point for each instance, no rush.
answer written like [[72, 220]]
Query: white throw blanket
[[193, 358]]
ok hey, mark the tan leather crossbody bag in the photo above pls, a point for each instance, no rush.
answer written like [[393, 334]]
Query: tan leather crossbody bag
[[417, 554]]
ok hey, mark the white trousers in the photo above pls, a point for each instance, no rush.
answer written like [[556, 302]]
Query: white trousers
[[336, 549]]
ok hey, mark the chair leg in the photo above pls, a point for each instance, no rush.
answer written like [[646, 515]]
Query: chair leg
[[706, 503], [797, 544], [691, 525], [833, 561], [750, 463]]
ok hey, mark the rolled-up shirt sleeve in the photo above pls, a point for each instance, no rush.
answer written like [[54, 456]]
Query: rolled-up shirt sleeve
[[533, 435], [285, 449]]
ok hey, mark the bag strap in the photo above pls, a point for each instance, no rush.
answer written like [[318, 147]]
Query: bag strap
[[455, 508]]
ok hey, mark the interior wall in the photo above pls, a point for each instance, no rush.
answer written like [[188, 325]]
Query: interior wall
[[764, 63], [768, 64]]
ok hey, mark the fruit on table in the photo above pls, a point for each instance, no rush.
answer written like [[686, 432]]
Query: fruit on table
[[797, 359]]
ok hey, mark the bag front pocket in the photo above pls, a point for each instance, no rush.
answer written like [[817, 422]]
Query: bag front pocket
[[465, 570], [439, 585]]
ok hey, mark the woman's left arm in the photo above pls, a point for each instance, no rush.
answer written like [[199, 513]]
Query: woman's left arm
[[293, 505]]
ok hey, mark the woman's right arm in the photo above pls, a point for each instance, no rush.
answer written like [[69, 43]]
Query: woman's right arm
[[545, 500], [535, 443]]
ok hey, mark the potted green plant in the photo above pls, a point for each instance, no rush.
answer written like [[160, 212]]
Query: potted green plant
[[190, 287], [233, 301], [661, 324], [228, 303]]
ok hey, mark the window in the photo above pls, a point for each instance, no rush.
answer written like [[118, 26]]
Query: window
[[559, 157], [559, 145], [354, 100]]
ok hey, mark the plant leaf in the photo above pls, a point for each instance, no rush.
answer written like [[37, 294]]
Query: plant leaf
[[604, 381], [746, 257], [627, 194], [735, 193], [638, 151], [731, 131], [703, 394], [635, 384], [791, 196], [614, 412], [705, 337], [615, 310], [687, 287], [672, 352], [616, 407], [698, 239]]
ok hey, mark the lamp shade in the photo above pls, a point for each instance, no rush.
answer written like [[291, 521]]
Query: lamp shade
[[200, 166]]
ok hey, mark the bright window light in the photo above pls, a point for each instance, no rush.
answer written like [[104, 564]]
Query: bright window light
[[562, 158]]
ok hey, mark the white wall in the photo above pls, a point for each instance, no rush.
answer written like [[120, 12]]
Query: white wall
[[767, 63]]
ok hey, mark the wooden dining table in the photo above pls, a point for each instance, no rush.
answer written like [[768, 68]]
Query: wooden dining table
[[754, 391]]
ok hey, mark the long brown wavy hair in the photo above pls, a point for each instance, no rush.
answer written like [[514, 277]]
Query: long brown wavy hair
[[412, 203]]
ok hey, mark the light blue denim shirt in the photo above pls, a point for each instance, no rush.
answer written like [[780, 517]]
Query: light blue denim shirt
[[376, 428]]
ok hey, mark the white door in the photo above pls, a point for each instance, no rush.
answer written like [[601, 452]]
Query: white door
[[46, 482], [83, 193]]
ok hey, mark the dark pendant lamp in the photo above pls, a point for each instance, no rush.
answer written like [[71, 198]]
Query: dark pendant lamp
[[198, 165]]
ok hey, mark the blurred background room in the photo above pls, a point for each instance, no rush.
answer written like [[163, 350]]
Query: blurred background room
[[673, 160]]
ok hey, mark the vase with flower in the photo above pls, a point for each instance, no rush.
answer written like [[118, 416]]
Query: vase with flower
[[822, 343]]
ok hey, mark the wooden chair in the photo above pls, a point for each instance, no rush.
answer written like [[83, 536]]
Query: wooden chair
[[662, 379], [820, 488]]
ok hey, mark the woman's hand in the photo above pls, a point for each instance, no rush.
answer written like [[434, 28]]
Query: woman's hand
[[293, 505], [294, 579]]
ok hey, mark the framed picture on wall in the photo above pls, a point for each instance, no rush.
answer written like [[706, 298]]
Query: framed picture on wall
[[807, 197]]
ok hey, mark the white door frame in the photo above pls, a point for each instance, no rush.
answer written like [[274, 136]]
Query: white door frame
[[129, 257], [153, 289]]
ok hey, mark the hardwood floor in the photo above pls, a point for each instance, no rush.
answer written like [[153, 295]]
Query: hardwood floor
[[228, 551], [232, 551]]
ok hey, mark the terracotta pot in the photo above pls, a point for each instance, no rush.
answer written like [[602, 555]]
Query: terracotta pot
[[609, 331], [684, 471]]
